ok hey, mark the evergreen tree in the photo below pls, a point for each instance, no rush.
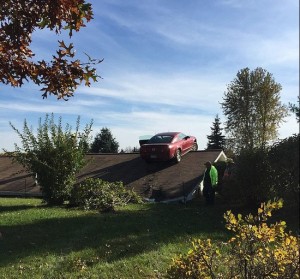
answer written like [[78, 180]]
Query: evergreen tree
[[104, 142], [216, 140], [295, 109]]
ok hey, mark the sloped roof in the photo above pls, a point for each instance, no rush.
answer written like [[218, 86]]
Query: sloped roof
[[166, 179]]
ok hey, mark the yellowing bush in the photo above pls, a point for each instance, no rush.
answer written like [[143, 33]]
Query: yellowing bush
[[257, 250]]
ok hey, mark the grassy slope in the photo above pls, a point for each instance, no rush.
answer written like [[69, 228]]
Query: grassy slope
[[136, 242]]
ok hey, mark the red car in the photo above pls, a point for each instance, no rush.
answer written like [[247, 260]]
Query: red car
[[167, 146]]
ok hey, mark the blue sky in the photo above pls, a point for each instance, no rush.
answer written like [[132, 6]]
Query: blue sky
[[167, 64]]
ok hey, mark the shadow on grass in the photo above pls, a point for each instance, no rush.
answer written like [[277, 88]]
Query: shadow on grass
[[112, 236], [8, 208]]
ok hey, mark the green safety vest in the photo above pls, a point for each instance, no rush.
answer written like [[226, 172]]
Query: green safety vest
[[213, 173]]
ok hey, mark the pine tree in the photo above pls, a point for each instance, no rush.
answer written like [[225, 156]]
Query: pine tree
[[295, 109], [104, 142], [216, 140]]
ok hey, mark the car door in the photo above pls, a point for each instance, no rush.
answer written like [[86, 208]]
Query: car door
[[184, 142]]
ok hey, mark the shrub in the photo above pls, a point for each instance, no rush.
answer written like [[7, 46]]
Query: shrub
[[256, 250], [284, 160], [263, 174], [251, 183], [104, 196], [202, 261], [54, 154]]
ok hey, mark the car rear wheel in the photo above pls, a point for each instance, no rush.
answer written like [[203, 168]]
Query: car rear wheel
[[195, 147], [178, 155]]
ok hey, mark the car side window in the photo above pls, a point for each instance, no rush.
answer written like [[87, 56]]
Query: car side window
[[181, 136]]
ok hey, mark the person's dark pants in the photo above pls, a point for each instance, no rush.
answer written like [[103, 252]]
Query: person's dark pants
[[209, 194]]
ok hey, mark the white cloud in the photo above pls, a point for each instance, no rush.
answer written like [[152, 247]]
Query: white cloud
[[166, 65], [197, 91]]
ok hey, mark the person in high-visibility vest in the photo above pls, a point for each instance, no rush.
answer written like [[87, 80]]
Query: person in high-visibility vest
[[210, 182]]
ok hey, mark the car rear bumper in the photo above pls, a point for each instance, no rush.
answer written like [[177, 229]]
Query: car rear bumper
[[156, 157]]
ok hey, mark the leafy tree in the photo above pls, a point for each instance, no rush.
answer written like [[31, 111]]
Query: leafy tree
[[216, 140], [253, 108], [104, 142], [295, 109], [60, 76], [54, 154]]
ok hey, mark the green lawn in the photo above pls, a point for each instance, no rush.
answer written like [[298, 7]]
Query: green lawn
[[138, 241]]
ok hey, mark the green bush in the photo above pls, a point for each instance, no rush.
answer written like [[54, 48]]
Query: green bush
[[55, 154], [284, 160], [250, 184], [96, 194], [263, 174]]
